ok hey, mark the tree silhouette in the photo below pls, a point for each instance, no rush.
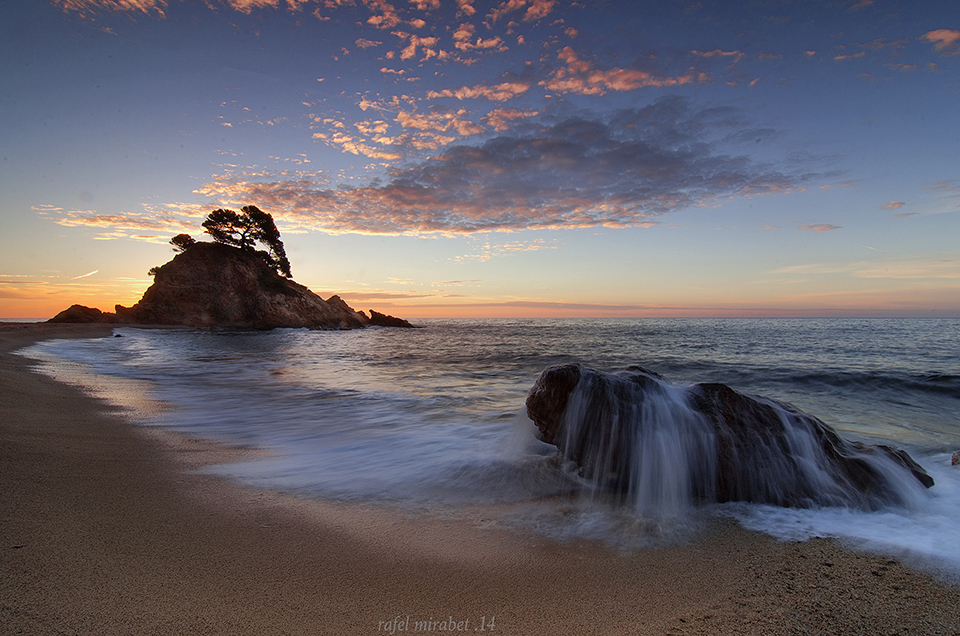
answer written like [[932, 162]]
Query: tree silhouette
[[182, 242], [245, 230]]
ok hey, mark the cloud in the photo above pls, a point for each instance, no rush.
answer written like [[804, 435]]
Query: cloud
[[822, 227], [621, 170], [418, 130], [490, 44], [892, 205], [381, 295], [719, 53], [582, 77], [385, 15], [487, 250], [92, 6], [947, 187], [125, 220], [426, 45], [440, 120], [497, 93], [464, 32], [156, 224], [358, 146], [500, 118], [536, 9], [426, 5], [909, 267], [946, 41], [247, 6], [850, 56]]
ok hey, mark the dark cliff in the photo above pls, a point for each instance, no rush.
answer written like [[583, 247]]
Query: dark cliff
[[214, 285]]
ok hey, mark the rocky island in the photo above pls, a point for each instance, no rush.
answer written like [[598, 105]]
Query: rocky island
[[227, 284]]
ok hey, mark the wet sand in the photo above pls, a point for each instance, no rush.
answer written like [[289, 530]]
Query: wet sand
[[105, 530]]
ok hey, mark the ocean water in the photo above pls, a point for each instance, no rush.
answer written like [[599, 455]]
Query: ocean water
[[434, 418]]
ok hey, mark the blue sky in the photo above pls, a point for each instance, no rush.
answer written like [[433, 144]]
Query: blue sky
[[469, 159]]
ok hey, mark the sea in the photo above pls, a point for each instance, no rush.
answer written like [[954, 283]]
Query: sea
[[433, 418]]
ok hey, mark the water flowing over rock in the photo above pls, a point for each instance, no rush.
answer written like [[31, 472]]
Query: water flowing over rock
[[665, 447]]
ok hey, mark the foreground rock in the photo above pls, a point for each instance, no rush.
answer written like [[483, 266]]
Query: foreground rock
[[666, 446], [214, 285]]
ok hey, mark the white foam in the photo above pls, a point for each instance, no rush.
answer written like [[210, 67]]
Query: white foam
[[926, 536]]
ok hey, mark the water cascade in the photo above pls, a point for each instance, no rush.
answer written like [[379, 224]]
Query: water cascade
[[665, 447]]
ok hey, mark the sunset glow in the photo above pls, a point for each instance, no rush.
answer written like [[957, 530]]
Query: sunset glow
[[468, 159]]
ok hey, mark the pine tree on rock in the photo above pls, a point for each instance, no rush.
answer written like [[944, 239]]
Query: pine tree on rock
[[182, 242], [245, 230]]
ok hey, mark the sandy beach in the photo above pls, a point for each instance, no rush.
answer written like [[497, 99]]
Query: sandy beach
[[106, 530]]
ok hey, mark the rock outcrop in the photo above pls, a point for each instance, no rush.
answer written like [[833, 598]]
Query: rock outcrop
[[80, 314], [636, 434], [382, 320], [214, 285]]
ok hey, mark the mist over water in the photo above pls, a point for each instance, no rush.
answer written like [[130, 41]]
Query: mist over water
[[435, 416]]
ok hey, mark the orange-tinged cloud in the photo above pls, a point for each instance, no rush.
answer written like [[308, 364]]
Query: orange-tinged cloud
[[448, 121], [578, 173], [625, 169], [539, 9], [357, 146], [944, 266], [498, 93], [720, 53], [426, 5], [247, 6], [499, 119], [84, 6], [892, 205], [946, 41], [385, 14], [822, 227], [464, 32], [157, 225], [580, 76], [536, 9], [852, 56], [427, 45], [490, 44]]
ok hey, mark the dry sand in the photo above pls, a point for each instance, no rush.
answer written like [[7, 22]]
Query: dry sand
[[106, 531]]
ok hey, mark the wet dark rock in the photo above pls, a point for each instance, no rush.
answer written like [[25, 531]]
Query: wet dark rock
[[711, 442]]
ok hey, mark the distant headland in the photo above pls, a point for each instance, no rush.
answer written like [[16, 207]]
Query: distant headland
[[229, 284]]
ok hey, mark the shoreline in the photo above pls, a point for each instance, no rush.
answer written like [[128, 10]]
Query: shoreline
[[106, 531]]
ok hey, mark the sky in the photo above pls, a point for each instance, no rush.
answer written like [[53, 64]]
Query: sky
[[512, 159]]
